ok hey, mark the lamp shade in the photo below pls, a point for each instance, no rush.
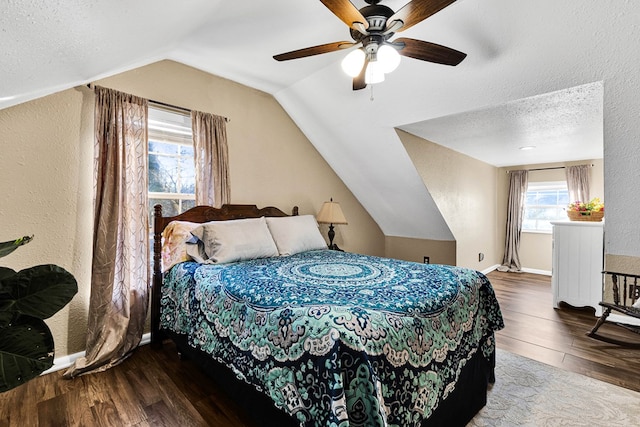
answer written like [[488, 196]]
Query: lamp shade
[[374, 73], [330, 213], [352, 63], [388, 57]]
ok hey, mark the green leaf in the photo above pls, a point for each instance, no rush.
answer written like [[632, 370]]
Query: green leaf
[[39, 291], [26, 350], [7, 247], [4, 273]]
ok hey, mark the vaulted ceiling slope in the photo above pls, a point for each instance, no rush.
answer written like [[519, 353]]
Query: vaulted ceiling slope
[[515, 50]]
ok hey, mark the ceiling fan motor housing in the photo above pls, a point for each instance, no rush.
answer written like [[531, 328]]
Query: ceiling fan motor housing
[[377, 16]]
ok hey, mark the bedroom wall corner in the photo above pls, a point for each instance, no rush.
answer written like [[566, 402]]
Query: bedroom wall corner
[[46, 173], [272, 163], [536, 247], [622, 264], [410, 249], [464, 190], [47, 191]]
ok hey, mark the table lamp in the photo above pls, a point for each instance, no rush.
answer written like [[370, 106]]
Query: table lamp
[[330, 213]]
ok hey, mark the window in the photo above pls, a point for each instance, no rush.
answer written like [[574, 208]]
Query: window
[[171, 164], [545, 202]]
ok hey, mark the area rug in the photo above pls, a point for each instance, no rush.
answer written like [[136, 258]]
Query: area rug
[[530, 393]]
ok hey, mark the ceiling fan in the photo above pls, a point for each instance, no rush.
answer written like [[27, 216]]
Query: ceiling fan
[[371, 29]]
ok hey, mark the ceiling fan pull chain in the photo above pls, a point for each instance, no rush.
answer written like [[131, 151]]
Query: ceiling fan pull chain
[[371, 99]]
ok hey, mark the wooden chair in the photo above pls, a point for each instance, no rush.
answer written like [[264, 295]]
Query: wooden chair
[[630, 291]]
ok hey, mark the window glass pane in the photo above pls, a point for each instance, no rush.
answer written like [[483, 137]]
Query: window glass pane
[[563, 198], [188, 204], [186, 150], [544, 202], [163, 173], [187, 175], [162, 147], [171, 161], [169, 208], [547, 198], [531, 197]]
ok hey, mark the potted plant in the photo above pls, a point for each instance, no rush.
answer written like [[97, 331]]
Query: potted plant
[[27, 297]]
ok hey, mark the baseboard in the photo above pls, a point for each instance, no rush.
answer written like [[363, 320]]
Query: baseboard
[[536, 271], [65, 361], [524, 270], [490, 269]]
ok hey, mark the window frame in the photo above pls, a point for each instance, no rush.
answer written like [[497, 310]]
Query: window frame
[[542, 186], [167, 131]]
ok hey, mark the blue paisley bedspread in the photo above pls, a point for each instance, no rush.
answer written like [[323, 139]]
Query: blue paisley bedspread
[[335, 338]]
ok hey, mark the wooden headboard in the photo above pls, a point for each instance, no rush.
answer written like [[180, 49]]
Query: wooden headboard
[[197, 214]]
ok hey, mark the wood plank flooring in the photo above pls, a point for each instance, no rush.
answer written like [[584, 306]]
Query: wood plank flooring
[[534, 329], [156, 388]]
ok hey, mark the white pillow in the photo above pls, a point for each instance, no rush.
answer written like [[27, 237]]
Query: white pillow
[[294, 234], [236, 240]]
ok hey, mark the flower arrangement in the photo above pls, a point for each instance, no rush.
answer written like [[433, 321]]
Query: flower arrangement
[[590, 211], [594, 205]]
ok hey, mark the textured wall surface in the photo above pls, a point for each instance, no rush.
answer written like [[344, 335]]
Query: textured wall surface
[[46, 189], [464, 189], [46, 173]]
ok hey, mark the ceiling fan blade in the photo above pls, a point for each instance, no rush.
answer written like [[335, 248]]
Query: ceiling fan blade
[[347, 12], [426, 51], [315, 50], [359, 80], [416, 11]]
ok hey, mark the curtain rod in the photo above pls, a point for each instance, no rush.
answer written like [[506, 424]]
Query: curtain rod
[[547, 169], [164, 104]]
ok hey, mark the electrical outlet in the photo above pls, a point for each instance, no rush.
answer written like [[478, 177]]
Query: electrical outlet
[[480, 257], [426, 260]]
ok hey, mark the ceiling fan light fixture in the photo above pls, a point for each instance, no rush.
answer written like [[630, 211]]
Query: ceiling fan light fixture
[[352, 63], [374, 73], [372, 27], [388, 57]]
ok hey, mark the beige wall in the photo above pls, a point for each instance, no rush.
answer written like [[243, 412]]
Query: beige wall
[[619, 264], [464, 190], [536, 248], [472, 197], [46, 172], [46, 190], [438, 251]]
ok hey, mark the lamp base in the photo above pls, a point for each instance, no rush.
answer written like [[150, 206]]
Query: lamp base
[[332, 234], [335, 247]]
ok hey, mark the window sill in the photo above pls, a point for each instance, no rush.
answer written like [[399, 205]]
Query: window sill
[[538, 231]]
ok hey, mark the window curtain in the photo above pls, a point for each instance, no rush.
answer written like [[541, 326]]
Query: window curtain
[[578, 180], [120, 267], [515, 212], [211, 158]]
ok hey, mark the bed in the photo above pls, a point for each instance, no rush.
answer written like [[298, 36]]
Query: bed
[[316, 337]]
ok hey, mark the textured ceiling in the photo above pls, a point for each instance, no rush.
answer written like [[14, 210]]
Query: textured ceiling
[[518, 52], [564, 125]]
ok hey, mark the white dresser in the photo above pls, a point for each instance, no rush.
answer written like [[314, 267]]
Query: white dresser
[[576, 276]]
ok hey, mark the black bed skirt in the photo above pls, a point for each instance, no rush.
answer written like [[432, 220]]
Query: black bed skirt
[[469, 396]]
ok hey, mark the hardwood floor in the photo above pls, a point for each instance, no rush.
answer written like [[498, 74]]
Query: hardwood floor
[[534, 329], [156, 388]]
